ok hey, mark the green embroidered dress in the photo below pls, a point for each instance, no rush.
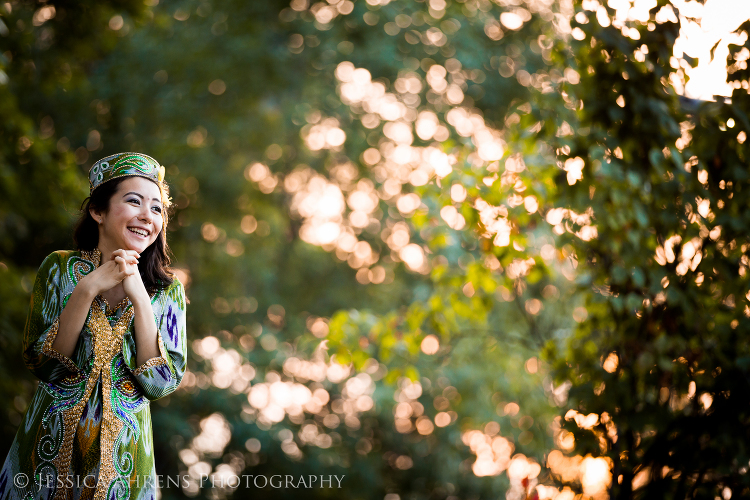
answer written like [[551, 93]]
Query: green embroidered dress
[[87, 432]]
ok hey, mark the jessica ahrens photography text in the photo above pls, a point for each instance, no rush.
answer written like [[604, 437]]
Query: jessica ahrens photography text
[[277, 481]]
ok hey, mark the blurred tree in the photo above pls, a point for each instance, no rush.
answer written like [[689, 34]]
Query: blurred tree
[[659, 369]]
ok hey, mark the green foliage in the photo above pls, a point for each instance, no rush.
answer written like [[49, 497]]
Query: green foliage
[[664, 185]]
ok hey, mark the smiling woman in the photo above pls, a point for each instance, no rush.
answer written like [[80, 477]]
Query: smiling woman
[[124, 196], [134, 217], [105, 335]]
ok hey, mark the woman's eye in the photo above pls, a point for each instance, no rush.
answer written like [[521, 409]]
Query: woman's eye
[[157, 209], [134, 200]]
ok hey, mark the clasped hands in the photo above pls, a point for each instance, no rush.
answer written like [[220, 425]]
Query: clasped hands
[[121, 267]]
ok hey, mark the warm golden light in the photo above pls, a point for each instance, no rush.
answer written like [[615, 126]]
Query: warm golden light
[[430, 344]]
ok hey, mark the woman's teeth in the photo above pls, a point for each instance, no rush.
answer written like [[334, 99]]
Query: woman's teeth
[[139, 232]]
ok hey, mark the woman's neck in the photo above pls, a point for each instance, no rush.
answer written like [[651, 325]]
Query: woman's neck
[[106, 251]]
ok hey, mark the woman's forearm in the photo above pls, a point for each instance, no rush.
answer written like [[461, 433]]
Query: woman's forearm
[[72, 319], [146, 346]]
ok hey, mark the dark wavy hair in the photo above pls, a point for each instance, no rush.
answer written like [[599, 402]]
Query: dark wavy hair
[[155, 260]]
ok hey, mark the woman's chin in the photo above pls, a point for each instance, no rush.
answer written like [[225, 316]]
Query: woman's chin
[[138, 246], [143, 246]]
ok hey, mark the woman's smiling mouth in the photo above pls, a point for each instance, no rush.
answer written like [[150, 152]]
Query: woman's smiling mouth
[[139, 231]]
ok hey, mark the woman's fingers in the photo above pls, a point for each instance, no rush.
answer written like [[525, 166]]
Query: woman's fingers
[[126, 254], [123, 253], [132, 253], [126, 271], [129, 266], [113, 272]]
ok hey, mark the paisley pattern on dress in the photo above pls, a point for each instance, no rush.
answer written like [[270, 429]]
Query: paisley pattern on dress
[[87, 432]]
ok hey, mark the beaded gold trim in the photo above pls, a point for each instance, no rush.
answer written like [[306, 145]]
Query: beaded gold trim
[[50, 351], [156, 361], [94, 256], [107, 341], [110, 311]]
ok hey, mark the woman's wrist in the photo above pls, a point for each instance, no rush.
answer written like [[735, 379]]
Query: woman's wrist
[[141, 301], [86, 289]]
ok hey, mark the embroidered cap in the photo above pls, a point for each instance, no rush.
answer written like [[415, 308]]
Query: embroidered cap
[[122, 165]]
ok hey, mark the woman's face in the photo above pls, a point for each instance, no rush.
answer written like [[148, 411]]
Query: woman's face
[[134, 217]]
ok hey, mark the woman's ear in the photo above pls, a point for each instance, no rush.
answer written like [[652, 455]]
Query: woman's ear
[[96, 214]]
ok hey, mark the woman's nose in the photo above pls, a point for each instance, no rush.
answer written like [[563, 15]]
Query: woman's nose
[[146, 215]]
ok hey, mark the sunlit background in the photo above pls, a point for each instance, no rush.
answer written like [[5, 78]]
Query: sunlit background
[[707, 28]]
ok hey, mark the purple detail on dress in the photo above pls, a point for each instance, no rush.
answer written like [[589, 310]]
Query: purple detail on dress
[[112, 492], [65, 396], [172, 326], [163, 370]]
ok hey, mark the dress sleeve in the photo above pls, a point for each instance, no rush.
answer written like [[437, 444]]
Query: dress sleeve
[[160, 376], [42, 324]]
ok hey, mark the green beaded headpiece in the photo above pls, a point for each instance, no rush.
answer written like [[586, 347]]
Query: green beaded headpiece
[[123, 165]]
